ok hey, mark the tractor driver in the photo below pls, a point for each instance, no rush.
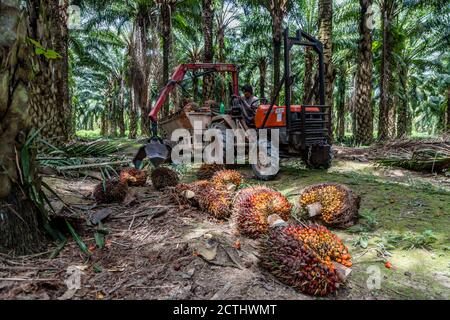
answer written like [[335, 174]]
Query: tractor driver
[[250, 104]]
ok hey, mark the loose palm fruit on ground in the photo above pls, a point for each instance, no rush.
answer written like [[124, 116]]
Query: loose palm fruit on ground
[[339, 205], [163, 177], [295, 263], [252, 207], [207, 171], [110, 191], [133, 177], [227, 177]]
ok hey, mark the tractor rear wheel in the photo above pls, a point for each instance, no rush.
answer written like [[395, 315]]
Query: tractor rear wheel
[[222, 127], [318, 157]]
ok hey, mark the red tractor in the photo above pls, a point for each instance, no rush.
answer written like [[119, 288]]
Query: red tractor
[[304, 130]]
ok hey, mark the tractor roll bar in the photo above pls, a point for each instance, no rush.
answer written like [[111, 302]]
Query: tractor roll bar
[[289, 42]]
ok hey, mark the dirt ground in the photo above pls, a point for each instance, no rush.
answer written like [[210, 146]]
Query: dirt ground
[[157, 249]]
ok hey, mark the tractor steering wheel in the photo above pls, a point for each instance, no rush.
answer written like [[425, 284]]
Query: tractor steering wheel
[[258, 100]]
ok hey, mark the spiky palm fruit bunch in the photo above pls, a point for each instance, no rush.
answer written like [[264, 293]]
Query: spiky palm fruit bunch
[[163, 177], [216, 201], [209, 197], [227, 177], [252, 206], [207, 171], [325, 243], [110, 191], [133, 177], [302, 257], [339, 204]]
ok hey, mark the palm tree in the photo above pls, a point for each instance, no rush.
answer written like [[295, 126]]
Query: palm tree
[[362, 99], [345, 49], [254, 43], [225, 16], [386, 125], [191, 52], [20, 228], [166, 8], [277, 10], [101, 60], [305, 16]]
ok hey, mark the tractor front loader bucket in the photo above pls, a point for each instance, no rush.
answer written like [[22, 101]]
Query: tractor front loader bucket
[[156, 150]]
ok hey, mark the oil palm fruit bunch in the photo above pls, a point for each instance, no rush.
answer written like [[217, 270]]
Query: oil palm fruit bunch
[[110, 191], [325, 243], [338, 204], [213, 199], [163, 177], [133, 177], [216, 201], [227, 177], [288, 254], [252, 206], [207, 171]]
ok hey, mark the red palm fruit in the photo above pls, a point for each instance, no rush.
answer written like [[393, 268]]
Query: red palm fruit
[[133, 177], [209, 197], [227, 177], [325, 244], [252, 207], [207, 171]]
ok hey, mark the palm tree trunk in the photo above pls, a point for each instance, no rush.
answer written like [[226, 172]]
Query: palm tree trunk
[[363, 82], [308, 78], [325, 36], [166, 20], [140, 76], [262, 77], [385, 121], [104, 123], [120, 108], [277, 11], [132, 115], [277, 32], [221, 42], [341, 105], [403, 108], [448, 110], [20, 230], [49, 93], [208, 24]]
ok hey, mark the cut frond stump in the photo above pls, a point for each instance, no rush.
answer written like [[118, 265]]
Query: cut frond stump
[[330, 203], [311, 259], [207, 171], [163, 177], [252, 207], [133, 177], [110, 191]]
